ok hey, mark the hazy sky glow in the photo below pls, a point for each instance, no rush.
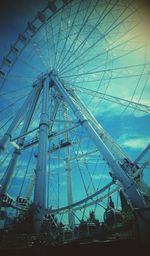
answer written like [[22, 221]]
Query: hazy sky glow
[[93, 45]]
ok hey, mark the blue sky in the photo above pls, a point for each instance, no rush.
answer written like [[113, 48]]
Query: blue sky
[[111, 58]]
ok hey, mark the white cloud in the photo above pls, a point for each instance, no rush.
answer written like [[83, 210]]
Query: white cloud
[[135, 143], [100, 176], [100, 106]]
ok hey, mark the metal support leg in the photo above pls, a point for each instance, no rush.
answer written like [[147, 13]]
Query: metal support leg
[[9, 172], [40, 180], [19, 116], [106, 138], [12, 164], [128, 184], [71, 218]]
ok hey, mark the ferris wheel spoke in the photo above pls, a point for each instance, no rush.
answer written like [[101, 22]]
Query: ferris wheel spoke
[[106, 34], [85, 20], [61, 56], [53, 39], [6, 122], [87, 169], [101, 54], [117, 100], [143, 89], [33, 68], [58, 38], [109, 70], [81, 174], [135, 89], [58, 56], [5, 158], [49, 42], [112, 78], [93, 29], [117, 58], [12, 104], [48, 46], [39, 53], [14, 91]]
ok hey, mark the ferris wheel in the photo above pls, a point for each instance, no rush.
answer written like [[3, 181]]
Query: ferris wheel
[[78, 66]]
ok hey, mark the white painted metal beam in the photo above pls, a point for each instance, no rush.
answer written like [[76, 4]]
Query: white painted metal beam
[[119, 175]]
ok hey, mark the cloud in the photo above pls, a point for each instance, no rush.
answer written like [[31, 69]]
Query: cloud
[[113, 107], [100, 176], [135, 143]]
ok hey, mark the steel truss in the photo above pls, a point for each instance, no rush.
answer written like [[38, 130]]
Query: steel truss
[[123, 170]]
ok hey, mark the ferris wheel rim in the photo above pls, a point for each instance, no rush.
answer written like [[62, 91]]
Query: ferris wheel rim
[[29, 39]]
